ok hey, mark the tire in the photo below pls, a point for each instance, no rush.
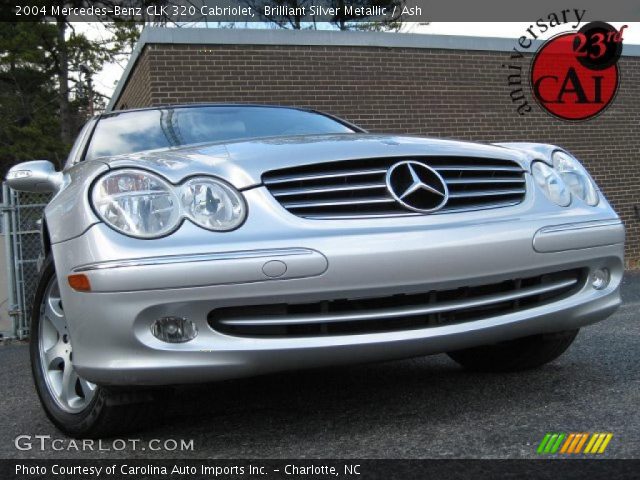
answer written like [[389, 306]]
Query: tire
[[75, 406], [515, 355]]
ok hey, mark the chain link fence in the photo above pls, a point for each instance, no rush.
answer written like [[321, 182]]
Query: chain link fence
[[22, 213]]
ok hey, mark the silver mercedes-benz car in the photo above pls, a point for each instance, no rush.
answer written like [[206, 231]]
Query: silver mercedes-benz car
[[206, 242]]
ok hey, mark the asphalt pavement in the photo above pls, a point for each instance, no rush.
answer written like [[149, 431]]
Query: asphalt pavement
[[420, 408]]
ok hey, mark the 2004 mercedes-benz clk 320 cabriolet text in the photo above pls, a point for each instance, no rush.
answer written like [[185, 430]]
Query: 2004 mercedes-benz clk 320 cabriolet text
[[206, 242]]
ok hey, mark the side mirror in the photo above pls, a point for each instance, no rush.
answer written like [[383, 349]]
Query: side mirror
[[37, 176]]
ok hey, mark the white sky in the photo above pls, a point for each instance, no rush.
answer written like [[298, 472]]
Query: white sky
[[106, 80]]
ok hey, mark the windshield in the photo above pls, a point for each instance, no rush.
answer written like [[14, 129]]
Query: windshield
[[129, 132]]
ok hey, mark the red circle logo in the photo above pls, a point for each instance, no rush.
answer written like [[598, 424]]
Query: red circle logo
[[573, 76]]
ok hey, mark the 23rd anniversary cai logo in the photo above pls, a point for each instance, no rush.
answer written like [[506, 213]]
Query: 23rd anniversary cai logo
[[574, 75]]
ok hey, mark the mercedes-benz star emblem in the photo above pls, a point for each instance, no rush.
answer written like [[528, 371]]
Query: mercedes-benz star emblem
[[417, 187]]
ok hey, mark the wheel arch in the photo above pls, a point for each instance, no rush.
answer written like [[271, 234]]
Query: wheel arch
[[45, 238]]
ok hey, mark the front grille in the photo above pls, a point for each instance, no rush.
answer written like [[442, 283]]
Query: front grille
[[357, 188], [397, 312]]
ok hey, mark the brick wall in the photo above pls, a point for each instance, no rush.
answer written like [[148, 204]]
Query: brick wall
[[444, 93], [138, 91]]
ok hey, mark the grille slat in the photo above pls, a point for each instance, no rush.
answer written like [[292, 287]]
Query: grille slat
[[298, 178], [487, 193], [338, 203], [471, 208], [471, 181], [397, 312], [310, 191], [477, 168], [357, 188]]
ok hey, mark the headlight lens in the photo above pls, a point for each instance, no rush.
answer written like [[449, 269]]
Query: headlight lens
[[212, 204], [551, 183], [575, 177], [136, 203], [144, 205]]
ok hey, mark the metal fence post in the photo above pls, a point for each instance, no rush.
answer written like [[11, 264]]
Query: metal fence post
[[7, 214], [21, 214]]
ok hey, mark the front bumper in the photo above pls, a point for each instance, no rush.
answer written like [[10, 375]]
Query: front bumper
[[136, 282]]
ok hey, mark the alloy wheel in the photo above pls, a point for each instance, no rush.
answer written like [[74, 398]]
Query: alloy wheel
[[70, 392]]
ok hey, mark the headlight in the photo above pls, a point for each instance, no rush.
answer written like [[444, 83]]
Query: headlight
[[136, 203], [143, 205], [551, 183], [575, 177], [212, 204]]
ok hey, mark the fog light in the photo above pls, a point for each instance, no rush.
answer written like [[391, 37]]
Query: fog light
[[174, 329], [600, 278]]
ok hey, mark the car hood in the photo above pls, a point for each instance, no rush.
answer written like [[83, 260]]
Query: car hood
[[242, 163]]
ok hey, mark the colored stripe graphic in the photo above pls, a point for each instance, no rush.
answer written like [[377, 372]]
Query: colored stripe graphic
[[592, 441], [580, 443], [573, 443], [551, 443], [576, 440], [568, 442], [543, 443], [605, 442], [598, 443], [556, 446]]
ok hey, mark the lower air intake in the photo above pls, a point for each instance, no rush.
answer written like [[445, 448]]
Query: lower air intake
[[397, 312]]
